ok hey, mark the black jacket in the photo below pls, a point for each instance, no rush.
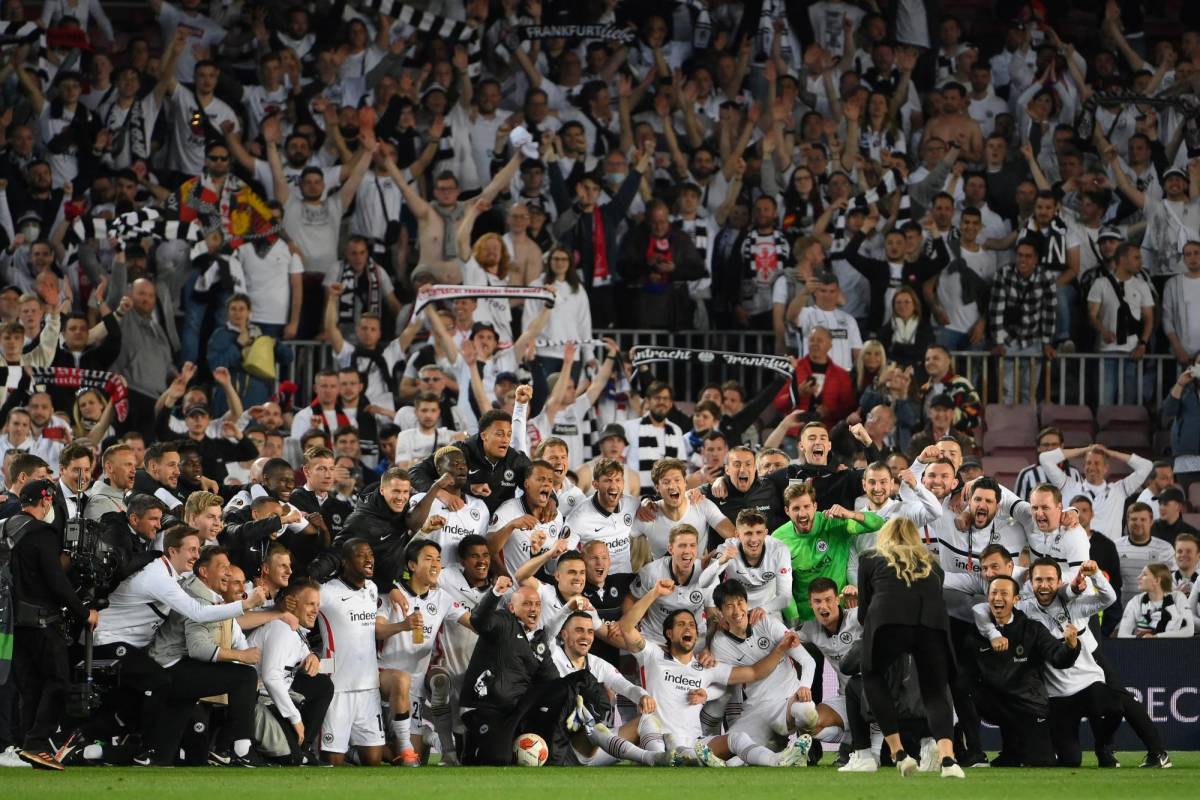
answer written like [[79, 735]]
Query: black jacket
[[1102, 550], [884, 599], [38, 577], [247, 539], [215, 453], [878, 273], [334, 511], [507, 661], [765, 495], [142, 482], [99, 356], [503, 476], [1016, 673], [386, 532], [833, 487]]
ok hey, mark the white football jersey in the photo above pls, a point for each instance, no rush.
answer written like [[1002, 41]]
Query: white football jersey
[[471, 518], [589, 522], [668, 682], [436, 606], [517, 549], [765, 581], [694, 595], [700, 516], [455, 643], [782, 682], [834, 646], [347, 624], [570, 497]]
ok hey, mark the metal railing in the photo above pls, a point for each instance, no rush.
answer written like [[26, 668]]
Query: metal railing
[[1091, 379]]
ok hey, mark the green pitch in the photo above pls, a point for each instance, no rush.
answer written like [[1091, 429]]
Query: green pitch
[[602, 784]]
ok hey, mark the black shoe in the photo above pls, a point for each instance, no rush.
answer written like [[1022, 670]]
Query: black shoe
[[1157, 761], [1004, 760], [815, 752], [226, 758], [146, 758], [843, 756], [978, 759], [1107, 759]]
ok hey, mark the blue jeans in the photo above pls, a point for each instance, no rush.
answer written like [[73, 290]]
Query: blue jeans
[[1068, 297], [1129, 383], [952, 339], [195, 308]]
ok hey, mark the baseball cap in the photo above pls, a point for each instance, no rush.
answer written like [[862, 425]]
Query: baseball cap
[[827, 278], [942, 401], [510, 377], [198, 408], [1175, 172], [483, 326], [971, 462], [1171, 494], [613, 430], [1108, 232], [34, 491]]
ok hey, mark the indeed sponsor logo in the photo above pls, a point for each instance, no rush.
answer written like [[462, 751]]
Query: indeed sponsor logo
[[682, 680], [362, 616]]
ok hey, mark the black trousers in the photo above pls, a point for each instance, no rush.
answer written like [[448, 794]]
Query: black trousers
[[962, 688], [43, 673], [931, 653], [1025, 735], [1133, 711], [189, 681], [143, 687], [603, 301], [317, 692], [860, 728], [1099, 704], [490, 732]]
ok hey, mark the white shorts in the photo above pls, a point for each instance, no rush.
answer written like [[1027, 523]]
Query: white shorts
[[354, 719], [838, 704], [765, 723]]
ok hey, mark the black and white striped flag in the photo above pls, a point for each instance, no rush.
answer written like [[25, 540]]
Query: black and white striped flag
[[443, 27]]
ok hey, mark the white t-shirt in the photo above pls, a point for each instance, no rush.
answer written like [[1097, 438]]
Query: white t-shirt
[[413, 445], [187, 149], [762, 582], [700, 516], [518, 549], [203, 32], [436, 606], [782, 682], [1138, 295], [568, 425], [694, 595], [347, 624], [456, 643], [268, 281], [471, 518], [841, 326]]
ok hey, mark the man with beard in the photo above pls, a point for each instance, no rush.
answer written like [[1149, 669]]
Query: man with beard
[[1078, 690], [160, 477], [381, 519], [656, 519], [913, 500], [529, 525], [762, 564], [495, 468], [677, 681], [250, 531], [1108, 497], [819, 543], [316, 502], [461, 514], [351, 626], [1010, 691], [365, 353], [297, 156], [960, 550], [467, 583], [653, 436], [613, 445], [608, 516], [404, 655], [741, 488], [693, 583]]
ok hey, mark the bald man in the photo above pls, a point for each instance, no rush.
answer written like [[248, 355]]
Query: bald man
[[147, 352]]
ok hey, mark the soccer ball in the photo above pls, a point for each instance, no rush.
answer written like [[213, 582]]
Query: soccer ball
[[530, 750]]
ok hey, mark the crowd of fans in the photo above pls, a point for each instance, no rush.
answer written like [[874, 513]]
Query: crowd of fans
[[459, 200]]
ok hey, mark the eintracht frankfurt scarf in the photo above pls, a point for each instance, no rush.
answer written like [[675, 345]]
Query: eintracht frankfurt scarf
[[441, 292], [107, 383], [649, 355]]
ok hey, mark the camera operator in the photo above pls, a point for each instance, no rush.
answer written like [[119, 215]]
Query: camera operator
[[135, 611], [40, 592], [109, 493], [74, 477], [25, 467]]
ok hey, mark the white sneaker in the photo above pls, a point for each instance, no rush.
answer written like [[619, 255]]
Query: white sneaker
[[796, 754], [931, 757], [953, 771], [906, 766], [860, 763], [9, 758]]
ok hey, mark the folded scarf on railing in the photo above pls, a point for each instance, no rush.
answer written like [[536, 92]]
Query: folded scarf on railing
[[647, 355]]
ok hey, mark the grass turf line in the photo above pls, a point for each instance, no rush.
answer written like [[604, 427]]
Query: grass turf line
[[582, 783]]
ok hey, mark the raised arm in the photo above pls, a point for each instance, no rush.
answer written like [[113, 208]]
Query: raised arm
[[282, 191], [420, 208], [366, 153], [634, 642]]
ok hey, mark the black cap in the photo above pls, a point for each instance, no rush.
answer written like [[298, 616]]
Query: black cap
[[198, 408], [1171, 493], [1109, 232], [942, 401], [35, 491], [483, 326], [508, 376], [972, 462], [827, 278], [614, 430]]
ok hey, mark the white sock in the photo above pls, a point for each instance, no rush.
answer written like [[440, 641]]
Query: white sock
[[754, 754], [865, 753], [876, 740], [439, 709], [617, 747], [803, 714], [241, 747], [400, 730], [832, 734], [709, 725], [93, 752]]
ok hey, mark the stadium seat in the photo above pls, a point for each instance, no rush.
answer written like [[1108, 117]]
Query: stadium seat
[[1077, 437], [1024, 453], [1067, 417], [1010, 418], [1123, 440], [1194, 496], [1111, 418], [1192, 519], [994, 465], [1005, 478]]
